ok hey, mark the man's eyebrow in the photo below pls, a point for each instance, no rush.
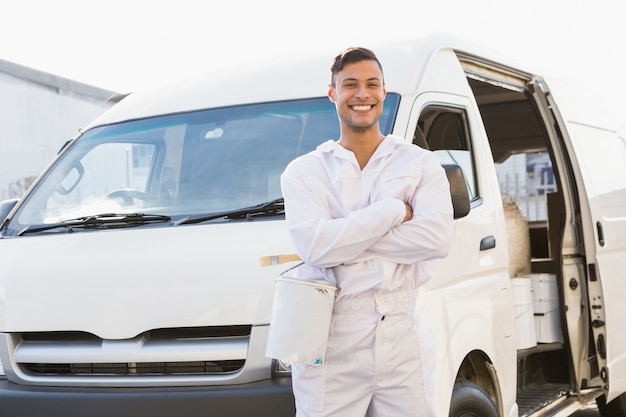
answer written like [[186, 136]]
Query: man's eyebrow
[[356, 79]]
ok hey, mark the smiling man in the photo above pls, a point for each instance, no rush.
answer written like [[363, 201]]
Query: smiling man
[[367, 212]]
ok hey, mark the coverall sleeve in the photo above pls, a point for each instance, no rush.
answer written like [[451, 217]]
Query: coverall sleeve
[[322, 241], [427, 235]]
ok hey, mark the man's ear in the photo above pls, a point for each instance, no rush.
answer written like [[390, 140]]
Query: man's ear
[[331, 93]]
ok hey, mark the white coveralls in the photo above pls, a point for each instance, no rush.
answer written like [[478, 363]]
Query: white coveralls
[[346, 224]]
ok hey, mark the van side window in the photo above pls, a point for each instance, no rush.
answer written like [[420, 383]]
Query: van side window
[[445, 132]]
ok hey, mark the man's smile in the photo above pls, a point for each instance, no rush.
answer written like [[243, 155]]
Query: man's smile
[[361, 107]]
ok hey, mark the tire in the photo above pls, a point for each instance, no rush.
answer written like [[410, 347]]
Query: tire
[[470, 400], [616, 408]]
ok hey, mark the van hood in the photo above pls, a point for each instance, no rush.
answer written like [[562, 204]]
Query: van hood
[[117, 284]]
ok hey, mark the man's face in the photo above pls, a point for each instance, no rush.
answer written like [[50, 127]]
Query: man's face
[[358, 94]]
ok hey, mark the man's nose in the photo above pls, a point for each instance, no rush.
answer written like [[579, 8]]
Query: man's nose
[[362, 92]]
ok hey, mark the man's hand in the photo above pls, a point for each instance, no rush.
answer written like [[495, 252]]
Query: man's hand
[[409, 213]]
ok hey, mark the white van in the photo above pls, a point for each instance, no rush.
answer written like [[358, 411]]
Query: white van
[[137, 273]]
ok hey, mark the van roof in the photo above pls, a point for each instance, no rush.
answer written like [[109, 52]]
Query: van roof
[[301, 75]]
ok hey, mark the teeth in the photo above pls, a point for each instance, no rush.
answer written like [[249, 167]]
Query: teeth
[[361, 108]]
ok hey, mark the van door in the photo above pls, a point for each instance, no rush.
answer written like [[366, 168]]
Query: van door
[[601, 175], [444, 119]]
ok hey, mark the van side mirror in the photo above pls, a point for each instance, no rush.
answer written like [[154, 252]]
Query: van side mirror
[[5, 208], [458, 190]]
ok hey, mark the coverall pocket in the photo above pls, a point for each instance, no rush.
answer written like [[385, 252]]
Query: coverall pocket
[[398, 185], [426, 352], [309, 386]]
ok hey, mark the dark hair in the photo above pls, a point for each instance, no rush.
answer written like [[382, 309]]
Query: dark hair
[[350, 56]]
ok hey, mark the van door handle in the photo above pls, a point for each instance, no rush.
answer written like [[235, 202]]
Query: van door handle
[[600, 233], [488, 242]]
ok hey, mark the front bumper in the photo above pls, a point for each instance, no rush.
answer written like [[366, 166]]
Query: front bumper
[[271, 397]]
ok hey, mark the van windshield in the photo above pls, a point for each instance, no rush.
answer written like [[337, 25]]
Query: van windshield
[[183, 164]]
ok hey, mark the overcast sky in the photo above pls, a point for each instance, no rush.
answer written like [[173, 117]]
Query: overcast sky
[[128, 45]]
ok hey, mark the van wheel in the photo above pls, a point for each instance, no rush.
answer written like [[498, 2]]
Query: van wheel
[[616, 408], [470, 400]]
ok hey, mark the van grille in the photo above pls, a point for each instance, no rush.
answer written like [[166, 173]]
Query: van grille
[[141, 368], [197, 351]]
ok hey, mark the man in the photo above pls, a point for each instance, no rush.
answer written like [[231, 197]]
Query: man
[[366, 212]]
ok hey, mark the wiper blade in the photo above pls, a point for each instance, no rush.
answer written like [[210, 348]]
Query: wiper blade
[[269, 208], [99, 221]]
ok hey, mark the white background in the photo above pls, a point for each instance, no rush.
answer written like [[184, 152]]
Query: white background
[[127, 45]]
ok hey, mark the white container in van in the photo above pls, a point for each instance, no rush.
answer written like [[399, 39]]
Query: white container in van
[[525, 333], [130, 273], [546, 308]]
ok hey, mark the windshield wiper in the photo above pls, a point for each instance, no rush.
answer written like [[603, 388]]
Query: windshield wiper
[[269, 208], [98, 221]]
